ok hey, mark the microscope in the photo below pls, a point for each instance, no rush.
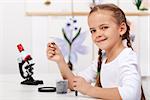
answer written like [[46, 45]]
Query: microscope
[[25, 62]]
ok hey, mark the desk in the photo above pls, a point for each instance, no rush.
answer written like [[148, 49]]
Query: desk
[[11, 89]]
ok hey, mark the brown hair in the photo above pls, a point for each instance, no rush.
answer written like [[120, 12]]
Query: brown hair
[[119, 15]]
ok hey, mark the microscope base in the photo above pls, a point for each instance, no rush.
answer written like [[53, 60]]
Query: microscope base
[[31, 81]]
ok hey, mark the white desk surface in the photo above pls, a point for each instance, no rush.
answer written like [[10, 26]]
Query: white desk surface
[[11, 89]]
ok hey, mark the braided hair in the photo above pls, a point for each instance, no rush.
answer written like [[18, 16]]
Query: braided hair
[[119, 15], [98, 83]]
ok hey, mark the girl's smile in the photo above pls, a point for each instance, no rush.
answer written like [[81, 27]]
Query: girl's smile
[[100, 40]]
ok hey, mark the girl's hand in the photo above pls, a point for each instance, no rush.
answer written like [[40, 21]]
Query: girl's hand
[[81, 85], [53, 52]]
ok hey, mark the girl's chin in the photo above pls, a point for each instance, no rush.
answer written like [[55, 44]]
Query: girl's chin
[[102, 47]]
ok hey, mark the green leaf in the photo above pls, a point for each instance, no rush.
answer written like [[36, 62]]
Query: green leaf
[[143, 9], [138, 3]]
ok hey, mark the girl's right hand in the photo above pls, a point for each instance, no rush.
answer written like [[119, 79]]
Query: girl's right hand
[[54, 53]]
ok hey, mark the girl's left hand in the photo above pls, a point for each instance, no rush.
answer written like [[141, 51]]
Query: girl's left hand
[[81, 85]]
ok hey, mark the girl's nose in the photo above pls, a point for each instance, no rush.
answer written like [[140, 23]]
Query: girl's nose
[[98, 32]]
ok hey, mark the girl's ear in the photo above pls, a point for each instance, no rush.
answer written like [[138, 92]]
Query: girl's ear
[[122, 28]]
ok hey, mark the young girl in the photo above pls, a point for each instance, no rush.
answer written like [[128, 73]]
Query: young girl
[[117, 76]]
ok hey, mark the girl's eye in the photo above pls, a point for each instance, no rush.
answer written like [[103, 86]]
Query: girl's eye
[[104, 28], [92, 31]]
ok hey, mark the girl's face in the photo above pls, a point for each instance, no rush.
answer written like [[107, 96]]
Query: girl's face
[[104, 29]]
